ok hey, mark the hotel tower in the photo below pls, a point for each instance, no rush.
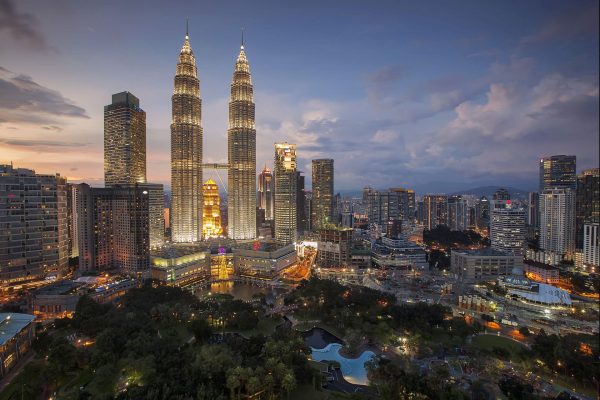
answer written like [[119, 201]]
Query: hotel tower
[[241, 152], [186, 150]]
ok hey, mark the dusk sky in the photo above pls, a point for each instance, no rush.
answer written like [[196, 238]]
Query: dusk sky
[[433, 95]]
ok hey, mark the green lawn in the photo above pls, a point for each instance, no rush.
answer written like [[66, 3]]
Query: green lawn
[[488, 342]]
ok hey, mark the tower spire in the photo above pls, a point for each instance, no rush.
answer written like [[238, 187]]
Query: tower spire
[[242, 47], [187, 22]]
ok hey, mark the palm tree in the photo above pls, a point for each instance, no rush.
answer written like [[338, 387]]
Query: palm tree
[[233, 382], [288, 383]]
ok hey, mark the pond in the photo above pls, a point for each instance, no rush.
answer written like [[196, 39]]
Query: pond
[[326, 347]]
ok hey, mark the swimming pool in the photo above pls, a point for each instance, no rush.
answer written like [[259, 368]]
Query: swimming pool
[[353, 369]]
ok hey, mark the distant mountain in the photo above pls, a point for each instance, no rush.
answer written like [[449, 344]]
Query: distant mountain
[[488, 191]]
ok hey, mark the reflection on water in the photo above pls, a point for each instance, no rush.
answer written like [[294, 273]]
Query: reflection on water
[[241, 291]]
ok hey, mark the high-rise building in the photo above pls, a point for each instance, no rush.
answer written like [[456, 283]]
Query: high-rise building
[[501, 194], [557, 222], [286, 224], [558, 172], [322, 190], [186, 150], [72, 220], [301, 217], [507, 227], [241, 151], [482, 213], [533, 209], [114, 226], [458, 215], [34, 237], [156, 203], [211, 212], [265, 192], [591, 243], [406, 203], [587, 202], [124, 141], [335, 246], [435, 210]]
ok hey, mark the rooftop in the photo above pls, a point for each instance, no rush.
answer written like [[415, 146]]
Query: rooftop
[[540, 265], [484, 252], [58, 288], [11, 324]]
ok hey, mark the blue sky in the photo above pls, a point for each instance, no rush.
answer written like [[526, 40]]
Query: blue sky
[[432, 95]]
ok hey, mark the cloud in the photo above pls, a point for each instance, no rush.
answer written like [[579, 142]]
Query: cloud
[[514, 125], [39, 144], [24, 100], [21, 26], [569, 24], [381, 82]]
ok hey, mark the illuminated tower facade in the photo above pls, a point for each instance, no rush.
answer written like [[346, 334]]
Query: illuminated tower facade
[[186, 150], [211, 213], [265, 192], [286, 223], [241, 152], [124, 141], [322, 191]]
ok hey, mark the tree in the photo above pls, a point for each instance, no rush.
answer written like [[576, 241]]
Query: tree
[[233, 382], [288, 383]]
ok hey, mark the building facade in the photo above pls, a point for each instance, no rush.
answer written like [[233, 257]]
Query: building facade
[[435, 210], [34, 226], [508, 228], [322, 191], [458, 216], [124, 141], [334, 247], [558, 172], [587, 208], [186, 150], [286, 224], [266, 192], [557, 221], [241, 153], [211, 212], [484, 264], [591, 242], [114, 228]]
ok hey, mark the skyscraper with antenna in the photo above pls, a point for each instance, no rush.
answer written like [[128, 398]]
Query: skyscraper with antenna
[[241, 153], [186, 149]]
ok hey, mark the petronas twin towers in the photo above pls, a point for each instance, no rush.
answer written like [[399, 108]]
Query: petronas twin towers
[[186, 152]]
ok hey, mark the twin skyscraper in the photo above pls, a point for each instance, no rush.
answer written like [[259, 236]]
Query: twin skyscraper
[[186, 152]]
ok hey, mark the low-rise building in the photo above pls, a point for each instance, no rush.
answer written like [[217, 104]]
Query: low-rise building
[[399, 254], [180, 265], [16, 336], [483, 264], [57, 300], [534, 292], [334, 246], [540, 272], [263, 259]]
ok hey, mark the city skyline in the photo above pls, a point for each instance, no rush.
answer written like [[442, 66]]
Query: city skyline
[[430, 121]]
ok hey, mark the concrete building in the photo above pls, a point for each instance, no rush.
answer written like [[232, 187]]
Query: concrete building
[[124, 141], [507, 227], [34, 226], [587, 207], [334, 246], [286, 223], [458, 216], [114, 227], [483, 265], [180, 265], [541, 272], [591, 240], [16, 336], [557, 223], [398, 254], [435, 210], [266, 192], [265, 261], [558, 172], [322, 192], [533, 209]]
